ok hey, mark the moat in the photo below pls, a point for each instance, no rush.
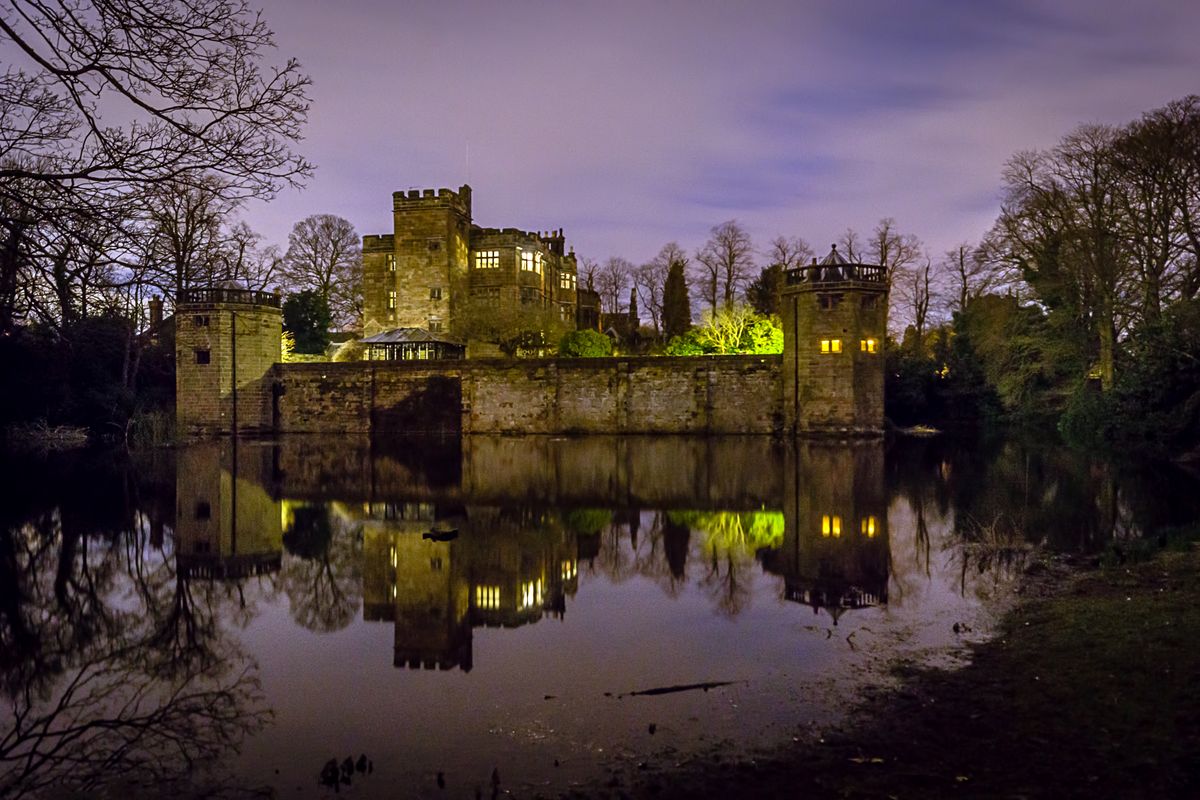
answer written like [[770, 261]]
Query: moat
[[227, 618]]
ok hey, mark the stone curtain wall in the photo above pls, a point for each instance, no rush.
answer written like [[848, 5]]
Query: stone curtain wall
[[718, 394]]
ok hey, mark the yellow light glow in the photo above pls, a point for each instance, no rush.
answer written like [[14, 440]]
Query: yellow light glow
[[487, 597], [825, 525], [824, 345], [836, 345], [531, 594], [569, 570], [837, 526], [392, 556], [487, 259], [868, 345], [868, 527]]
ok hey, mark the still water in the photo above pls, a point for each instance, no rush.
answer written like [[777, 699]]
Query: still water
[[227, 619]]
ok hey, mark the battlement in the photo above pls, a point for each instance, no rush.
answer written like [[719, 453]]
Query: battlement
[[418, 198], [381, 241]]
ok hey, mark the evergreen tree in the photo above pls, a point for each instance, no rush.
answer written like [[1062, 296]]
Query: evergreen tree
[[763, 291], [677, 307], [306, 316]]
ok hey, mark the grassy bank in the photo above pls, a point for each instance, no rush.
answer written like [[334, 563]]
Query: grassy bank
[[1092, 689]]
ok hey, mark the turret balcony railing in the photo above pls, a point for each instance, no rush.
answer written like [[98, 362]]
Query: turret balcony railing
[[832, 276], [212, 294]]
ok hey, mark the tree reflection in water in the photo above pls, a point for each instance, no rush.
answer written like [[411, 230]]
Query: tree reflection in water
[[322, 575], [117, 675]]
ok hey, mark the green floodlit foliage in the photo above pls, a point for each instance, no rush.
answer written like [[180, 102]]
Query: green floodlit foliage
[[729, 331], [585, 344], [732, 532]]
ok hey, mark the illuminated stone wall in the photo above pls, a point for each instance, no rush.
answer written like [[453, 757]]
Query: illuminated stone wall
[[725, 394]]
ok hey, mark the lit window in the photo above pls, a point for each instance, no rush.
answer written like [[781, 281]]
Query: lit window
[[531, 594], [487, 597], [831, 345], [868, 345], [569, 570], [566, 280], [392, 556], [390, 262], [831, 525], [868, 527], [531, 261], [487, 259], [391, 299]]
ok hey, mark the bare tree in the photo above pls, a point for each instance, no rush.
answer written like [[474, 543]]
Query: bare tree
[[184, 231], [612, 281], [650, 279], [728, 259], [913, 288], [248, 261], [852, 245], [893, 250], [324, 254], [100, 100]]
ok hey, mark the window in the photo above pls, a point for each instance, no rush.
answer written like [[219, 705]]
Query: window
[[390, 262], [203, 509], [435, 293], [530, 294], [566, 280], [200, 321], [487, 597], [831, 345], [531, 594], [568, 312], [869, 301], [435, 564], [434, 246], [488, 295], [531, 261], [867, 526], [831, 526], [435, 326], [391, 299], [868, 345], [487, 259], [828, 302], [203, 357]]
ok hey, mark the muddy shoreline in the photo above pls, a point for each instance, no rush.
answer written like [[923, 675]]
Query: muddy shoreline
[[1087, 690]]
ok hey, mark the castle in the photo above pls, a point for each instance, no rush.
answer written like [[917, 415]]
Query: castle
[[437, 275], [441, 274]]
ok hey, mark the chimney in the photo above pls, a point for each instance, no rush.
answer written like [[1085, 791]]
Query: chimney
[[156, 313]]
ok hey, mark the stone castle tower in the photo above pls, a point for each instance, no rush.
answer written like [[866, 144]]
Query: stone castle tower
[[416, 276], [226, 341], [438, 271], [834, 323]]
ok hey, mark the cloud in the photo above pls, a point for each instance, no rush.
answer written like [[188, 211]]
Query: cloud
[[631, 124]]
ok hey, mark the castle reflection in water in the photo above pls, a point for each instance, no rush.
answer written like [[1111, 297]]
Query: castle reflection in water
[[445, 536]]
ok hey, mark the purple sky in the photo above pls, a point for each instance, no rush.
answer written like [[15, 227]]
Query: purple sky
[[632, 124]]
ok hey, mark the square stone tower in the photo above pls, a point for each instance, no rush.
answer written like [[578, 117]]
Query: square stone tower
[[416, 277], [834, 327], [226, 342]]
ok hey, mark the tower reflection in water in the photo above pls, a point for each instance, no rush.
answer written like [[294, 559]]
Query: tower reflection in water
[[834, 555], [502, 568], [506, 544]]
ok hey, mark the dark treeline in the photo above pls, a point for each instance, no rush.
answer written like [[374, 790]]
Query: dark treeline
[[1080, 305]]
